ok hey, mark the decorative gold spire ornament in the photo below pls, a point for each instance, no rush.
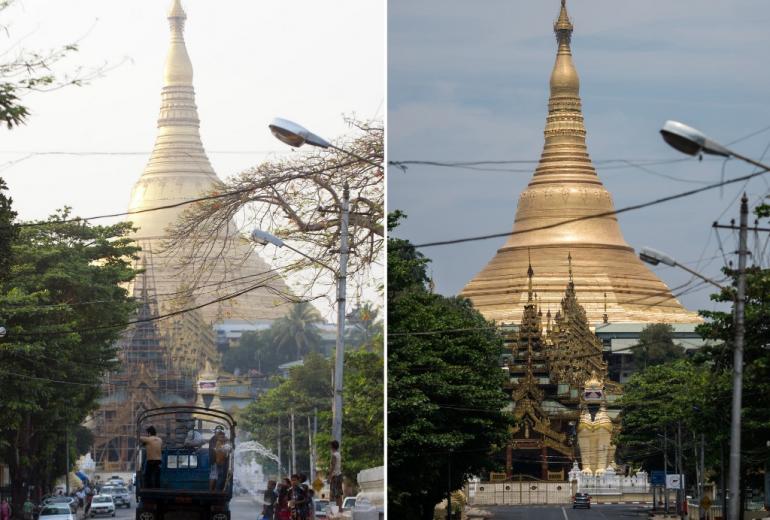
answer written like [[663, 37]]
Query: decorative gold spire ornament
[[179, 170], [554, 219]]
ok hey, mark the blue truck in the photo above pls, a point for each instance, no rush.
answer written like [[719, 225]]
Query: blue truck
[[185, 491]]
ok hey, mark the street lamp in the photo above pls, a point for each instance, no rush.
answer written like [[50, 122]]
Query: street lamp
[[653, 257], [691, 141], [263, 237], [296, 135]]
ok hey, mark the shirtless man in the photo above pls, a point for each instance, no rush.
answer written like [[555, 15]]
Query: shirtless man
[[153, 445]]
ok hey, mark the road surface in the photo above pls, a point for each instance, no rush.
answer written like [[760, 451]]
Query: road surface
[[597, 512]]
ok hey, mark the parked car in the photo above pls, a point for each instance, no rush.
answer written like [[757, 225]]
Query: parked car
[[115, 481], [348, 503], [72, 502], [320, 508], [56, 512], [102, 505], [581, 500], [120, 495]]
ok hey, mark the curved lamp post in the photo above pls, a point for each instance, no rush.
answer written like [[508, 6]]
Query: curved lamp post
[[653, 257], [296, 135], [691, 141]]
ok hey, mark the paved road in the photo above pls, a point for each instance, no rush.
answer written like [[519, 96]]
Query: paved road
[[241, 508], [244, 508], [120, 513], [597, 512]]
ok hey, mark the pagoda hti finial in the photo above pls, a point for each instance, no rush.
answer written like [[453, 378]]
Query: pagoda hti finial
[[569, 263], [530, 274], [605, 317], [563, 26]]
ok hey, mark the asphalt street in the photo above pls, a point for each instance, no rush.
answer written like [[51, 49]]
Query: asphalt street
[[241, 508], [597, 512]]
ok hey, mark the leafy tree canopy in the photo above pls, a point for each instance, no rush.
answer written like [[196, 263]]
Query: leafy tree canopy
[[656, 345], [64, 305], [445, 396], [307, 390]]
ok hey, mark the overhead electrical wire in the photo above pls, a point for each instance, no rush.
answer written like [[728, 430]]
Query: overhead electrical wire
[[625, 209]]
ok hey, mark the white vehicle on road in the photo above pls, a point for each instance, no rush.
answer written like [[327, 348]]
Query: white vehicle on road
[[56, 512], [102, 505]]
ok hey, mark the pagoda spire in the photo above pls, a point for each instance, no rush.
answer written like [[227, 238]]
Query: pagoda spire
[[178, 168], [565, 207]]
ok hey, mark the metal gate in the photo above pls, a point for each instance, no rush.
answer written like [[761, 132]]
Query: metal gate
[[518, 493]]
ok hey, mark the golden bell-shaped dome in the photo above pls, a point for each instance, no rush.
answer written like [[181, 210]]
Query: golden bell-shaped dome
[[566, 210]]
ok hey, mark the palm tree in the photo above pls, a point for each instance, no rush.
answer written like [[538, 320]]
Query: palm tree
[[363, 325], [298, 329]]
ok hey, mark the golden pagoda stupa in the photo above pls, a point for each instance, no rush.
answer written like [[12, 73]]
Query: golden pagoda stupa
[[179, 170], [608, 276]]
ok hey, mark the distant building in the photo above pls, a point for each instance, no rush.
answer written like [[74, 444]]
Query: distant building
[[619, 339]]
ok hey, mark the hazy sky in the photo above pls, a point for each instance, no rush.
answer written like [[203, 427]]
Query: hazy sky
[[308, 61], [469, 81]]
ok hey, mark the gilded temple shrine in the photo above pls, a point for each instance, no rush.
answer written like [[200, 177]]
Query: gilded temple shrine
[[561, 399], [214, 266], [566, 209]]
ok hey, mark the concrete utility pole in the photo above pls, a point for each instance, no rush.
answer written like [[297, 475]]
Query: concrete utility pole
[[315, 436], [449, 487], [702, 465], [293, 446], [735, 427], [680, 490], [67, 461], [339, 352], [310, 449], [665, 467], [280, 461]]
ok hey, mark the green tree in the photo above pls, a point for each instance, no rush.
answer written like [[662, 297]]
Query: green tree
[[445, 396], [255, 350], [30, 71], [8, 231], [363, 326], [307, 390], [661, 398], [64, 305], [656, 345], [298, 330]]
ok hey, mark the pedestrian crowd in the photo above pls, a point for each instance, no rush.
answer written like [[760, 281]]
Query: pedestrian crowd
[[289, 499], [294, 498]]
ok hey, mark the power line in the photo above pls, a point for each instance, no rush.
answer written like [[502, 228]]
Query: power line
[[163, 316], [596, 215], [138, 211]]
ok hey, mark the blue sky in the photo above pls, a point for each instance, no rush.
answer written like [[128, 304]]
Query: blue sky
[[469, 81]]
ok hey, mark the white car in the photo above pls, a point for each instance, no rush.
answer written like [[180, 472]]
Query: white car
[[56, 512], [102, 505], [348, 503]]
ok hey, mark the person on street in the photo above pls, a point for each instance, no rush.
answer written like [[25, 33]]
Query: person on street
[[311, 504], [89, 491], [28, 508], [335, 474], [282, 510], [219, 459], [299, 498], [5, 510], [269, 499], [153, 446], [194, 439]]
